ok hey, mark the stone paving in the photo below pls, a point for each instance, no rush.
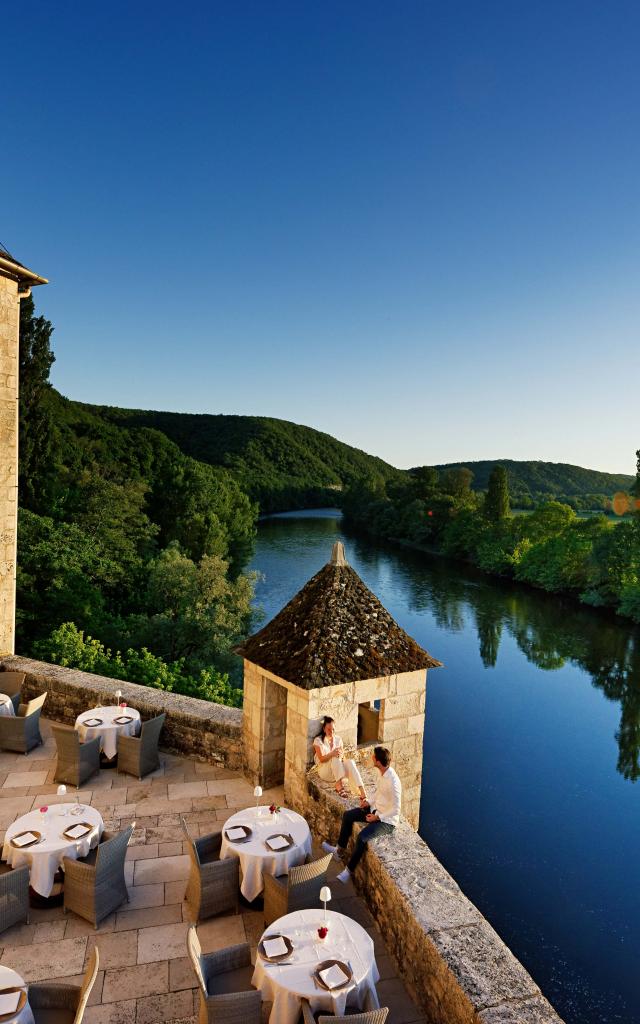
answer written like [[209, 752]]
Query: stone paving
[[145, 976]]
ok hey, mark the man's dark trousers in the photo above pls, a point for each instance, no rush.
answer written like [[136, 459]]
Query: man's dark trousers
[[374, 828]]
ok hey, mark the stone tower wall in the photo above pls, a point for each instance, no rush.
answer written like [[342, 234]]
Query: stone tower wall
[[9, 324]]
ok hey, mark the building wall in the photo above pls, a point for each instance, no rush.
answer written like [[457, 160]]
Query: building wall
[[9, 323]]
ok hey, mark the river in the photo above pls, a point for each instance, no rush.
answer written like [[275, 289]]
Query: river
[[530, 755]]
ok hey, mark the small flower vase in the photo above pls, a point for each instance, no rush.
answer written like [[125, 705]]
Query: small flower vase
[[274, 817]]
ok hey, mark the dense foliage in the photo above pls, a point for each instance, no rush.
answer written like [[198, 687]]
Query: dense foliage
[[125, 536], [532, 483], [593, 559]]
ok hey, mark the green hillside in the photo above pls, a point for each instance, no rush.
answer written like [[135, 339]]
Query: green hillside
[[281, 465], [532, 482]]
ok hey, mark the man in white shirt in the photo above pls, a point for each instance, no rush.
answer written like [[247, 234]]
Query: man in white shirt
[[381, 816]]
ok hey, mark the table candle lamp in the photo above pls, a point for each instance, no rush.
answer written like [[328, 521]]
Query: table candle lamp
[[325, 896], [118, 696], [257, 793], [61, 791]]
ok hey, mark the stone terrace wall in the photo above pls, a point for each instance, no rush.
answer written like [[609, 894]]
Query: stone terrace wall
[[455, 965], [197, 728]]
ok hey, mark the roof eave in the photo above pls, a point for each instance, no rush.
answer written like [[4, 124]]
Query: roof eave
[[10, 268]]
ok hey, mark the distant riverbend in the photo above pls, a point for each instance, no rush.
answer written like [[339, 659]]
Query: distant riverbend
[[530, 759]]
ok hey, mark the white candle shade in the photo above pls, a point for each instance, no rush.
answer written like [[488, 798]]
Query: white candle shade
[[62, 790], [325, 894], [257, 791]]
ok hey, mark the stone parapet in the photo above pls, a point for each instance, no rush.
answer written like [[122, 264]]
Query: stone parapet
[[196, 728], [455, 965]]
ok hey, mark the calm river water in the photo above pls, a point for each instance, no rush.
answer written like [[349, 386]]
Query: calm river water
[[531, 746]]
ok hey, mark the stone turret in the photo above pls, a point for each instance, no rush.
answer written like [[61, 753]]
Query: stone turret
[[333, 650], [15, 283]]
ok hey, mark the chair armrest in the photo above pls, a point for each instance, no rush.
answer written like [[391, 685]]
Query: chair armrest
[[133, 742], [77, 868], [90, 745], [247, 1003], [220, 868], [307, 1013], [45, 996], [277, 884], [229, 959]]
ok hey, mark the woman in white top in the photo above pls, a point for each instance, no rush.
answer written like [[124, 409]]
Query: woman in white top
[[329, 756]]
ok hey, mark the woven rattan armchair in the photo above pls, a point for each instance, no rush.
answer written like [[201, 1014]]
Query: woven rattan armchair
[[224, 979], [11, 683], [95, 885], [367, 1017], [213, 884], [77, 761], [138, 755], [63, 1004], [22, 733], [299, 890], [14, 895]]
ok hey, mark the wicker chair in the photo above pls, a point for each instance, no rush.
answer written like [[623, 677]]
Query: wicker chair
[[14, 895], [367, 1017], [77, 761], [95, 885], [11, 683], [63, 1004], [138, 755], [299, 890], [224, 979], [213, 884], [22, 733]]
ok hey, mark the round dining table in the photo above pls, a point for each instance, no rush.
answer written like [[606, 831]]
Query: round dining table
[[110, 722], [256, 858], [46, 855], [10, 979], [6, 705], [287, 984]]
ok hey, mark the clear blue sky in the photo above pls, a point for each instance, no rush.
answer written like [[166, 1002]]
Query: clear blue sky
[[412, 225]]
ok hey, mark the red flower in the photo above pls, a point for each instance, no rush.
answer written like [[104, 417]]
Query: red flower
[[323, 932], [43, 810]]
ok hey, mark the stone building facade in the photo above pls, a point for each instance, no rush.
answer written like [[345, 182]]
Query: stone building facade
[[15, 282], [333, 650]]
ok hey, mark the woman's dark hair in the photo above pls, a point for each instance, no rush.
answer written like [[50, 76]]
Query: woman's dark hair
[[325, 723], [382, 756]]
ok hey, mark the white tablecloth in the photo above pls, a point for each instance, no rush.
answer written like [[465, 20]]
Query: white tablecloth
[[286, 984], [6, 705], [11, 979], [255, 858], [109, 730], [46, 856]]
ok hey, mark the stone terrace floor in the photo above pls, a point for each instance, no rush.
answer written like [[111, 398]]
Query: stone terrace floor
[[145, 976]]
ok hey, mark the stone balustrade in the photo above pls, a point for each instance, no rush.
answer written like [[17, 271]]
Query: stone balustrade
[[196, 728]]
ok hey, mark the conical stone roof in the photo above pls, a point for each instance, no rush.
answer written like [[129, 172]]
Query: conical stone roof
[[334, 631]]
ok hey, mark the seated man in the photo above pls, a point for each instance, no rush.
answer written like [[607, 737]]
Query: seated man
[[381, 817]]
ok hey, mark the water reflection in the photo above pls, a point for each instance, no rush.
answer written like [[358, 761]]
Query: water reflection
[[549, 632]]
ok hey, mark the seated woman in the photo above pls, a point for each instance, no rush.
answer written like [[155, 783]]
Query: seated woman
[[329, 756]]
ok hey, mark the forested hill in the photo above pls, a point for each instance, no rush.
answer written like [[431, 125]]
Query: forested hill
[[533, 482], [281, 465]]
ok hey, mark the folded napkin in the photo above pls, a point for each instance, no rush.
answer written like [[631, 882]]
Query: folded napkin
[[275, 947], [28, 837], [236, 833], [92, 721], [9, 1001], [278, 842], [123, 719], [333, 976], [77, 831]]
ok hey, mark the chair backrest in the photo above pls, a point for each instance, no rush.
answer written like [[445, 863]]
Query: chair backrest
[[305, 882], [11, 682], [368, 1017], [67, 741], [88, 982], [33, 705], [195, 955], [113, 852], [150, 732]]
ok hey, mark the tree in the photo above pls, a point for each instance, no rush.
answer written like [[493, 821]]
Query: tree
[[36, 430], [457, 481], [496, 505]]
